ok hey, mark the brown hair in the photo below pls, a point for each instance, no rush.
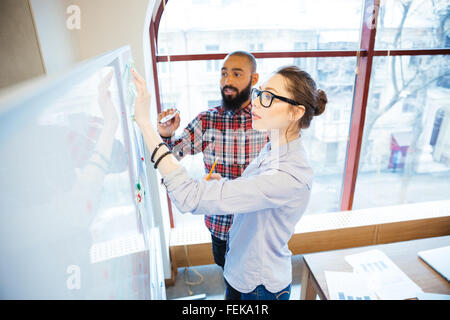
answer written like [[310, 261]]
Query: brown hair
[[304, 91]]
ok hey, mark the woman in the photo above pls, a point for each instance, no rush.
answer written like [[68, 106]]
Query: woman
[[271, 195]]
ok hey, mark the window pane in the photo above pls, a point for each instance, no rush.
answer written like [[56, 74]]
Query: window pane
[[260, 25], [405, 154], [413, 24], [192, 89]]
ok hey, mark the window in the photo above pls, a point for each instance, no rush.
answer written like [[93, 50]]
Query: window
[[300, 46], [214, 103], [415, 24], [332, 149], [409, 103], [167, 105], [324, 140], [336, 115], [405, 156], [256, 47], [189, 26], [405, 90], [199, 2], [437, 127], [212, 65], [163, 67], [190, 88]]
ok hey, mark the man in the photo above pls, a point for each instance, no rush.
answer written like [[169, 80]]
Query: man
[[224, 132]]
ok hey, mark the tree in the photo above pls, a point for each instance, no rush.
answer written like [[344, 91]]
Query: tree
[[407, 78]]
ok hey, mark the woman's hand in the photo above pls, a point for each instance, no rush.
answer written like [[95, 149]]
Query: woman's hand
[[142, 106], [215, 176]]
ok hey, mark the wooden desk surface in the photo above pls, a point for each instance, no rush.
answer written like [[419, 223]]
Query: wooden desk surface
[[403, 254]]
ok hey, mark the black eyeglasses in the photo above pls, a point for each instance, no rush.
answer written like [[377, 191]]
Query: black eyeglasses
[[266, 98]]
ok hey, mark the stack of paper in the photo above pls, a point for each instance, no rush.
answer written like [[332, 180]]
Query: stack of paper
[[374, 276]]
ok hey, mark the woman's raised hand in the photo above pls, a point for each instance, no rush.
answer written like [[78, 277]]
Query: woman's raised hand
[[142, 106]]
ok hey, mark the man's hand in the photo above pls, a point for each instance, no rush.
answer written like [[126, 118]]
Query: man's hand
[[168, 128]]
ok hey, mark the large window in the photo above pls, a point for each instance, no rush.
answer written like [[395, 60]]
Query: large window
[[326, 140], [405, 154], [259, 24], [412, 24], [404, 146], [406, 142]]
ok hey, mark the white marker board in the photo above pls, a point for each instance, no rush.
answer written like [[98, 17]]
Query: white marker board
[[75, 213]]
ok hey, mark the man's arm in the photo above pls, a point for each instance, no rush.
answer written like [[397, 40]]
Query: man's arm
[[189, 142]]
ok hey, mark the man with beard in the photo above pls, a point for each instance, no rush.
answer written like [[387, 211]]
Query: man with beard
[[224, 132]]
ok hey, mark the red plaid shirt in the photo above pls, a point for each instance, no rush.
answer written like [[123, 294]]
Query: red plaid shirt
[[225, 135]]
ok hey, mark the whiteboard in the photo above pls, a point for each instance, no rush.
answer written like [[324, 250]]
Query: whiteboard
[[75, 214]]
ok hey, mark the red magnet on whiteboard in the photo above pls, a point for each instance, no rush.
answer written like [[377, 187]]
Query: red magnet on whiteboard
[[139, 197], [142, 158]]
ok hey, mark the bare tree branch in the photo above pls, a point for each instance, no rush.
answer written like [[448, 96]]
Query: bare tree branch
[[406, 6]]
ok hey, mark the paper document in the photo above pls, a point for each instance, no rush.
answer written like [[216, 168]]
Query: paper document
[[383, 276], [348, 286], [432, 296]]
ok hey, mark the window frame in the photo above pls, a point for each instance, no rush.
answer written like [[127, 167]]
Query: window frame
[[364, 55]]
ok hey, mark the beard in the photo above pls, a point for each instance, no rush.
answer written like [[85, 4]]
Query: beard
[[230, 103]]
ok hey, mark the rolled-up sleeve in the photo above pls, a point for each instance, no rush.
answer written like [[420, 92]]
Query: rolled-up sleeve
[[273, 189]]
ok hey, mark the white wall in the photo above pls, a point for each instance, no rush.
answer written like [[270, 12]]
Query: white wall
[[57, 42], [20, 57], [104, 25], [34, 40], [109, 24]]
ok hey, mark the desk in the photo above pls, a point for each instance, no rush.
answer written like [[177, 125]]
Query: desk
[[403, 254]]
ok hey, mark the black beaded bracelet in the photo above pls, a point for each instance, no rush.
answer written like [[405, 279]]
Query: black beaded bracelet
[[156, 149], [160, 158]]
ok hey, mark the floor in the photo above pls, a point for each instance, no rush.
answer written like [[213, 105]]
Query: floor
[[213, 285]]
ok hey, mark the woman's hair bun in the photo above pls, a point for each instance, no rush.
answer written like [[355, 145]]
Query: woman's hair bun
[[321, 102]]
